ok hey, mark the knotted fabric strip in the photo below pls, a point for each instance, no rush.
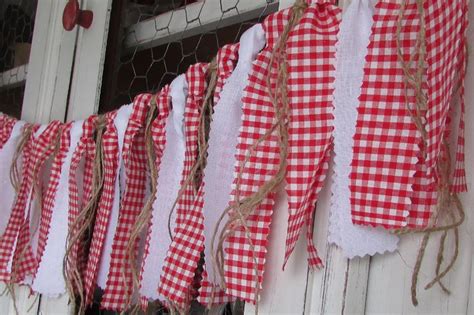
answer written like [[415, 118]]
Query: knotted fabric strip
[[44, 144], [47, 279], [386, 141], [185, 250], [12, 132], [119, 280], [159, 137], [6, 127], [120, 123], [50, 196], [110, 161], [80, 191], [311, 51], [224, 132], [225, 61], [244, 258], [444, 44], [168, 186]]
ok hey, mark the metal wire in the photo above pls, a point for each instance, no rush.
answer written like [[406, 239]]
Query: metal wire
[[147, 65], [16, 33]]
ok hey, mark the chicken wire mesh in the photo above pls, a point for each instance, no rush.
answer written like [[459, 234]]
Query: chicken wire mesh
[[150, 42], [153, 41], [16, 33]]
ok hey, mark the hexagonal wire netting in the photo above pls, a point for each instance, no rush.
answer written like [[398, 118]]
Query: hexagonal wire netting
[[16, 33], [152, 41]]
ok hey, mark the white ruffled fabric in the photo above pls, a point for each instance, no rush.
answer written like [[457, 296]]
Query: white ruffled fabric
[[353, 40], [49, 278], [168, 185], [223, 138], [120, 122]]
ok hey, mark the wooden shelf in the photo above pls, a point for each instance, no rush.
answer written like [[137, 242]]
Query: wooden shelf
[[195, 18], [13, 77]]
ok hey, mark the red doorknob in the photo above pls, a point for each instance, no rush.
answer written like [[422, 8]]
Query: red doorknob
[[73, 15]]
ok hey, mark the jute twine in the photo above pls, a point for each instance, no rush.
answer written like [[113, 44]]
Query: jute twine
[[144, 217], [240, 210], [195, 175], [448, 206], [15, 179], [15, 175], [82, 227]]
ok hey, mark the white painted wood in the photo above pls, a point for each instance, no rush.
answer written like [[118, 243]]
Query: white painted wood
[[49, 68], [26, 303], [193, 19], [13, 77], [283, 292], [89, 61], [4, 298]]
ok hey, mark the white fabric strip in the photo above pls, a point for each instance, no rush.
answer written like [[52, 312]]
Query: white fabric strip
[[352, 45], [168, 185], [120, 122], [223, 139], [49, 278]]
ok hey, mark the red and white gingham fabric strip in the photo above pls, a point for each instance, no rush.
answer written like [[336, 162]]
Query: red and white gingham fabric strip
[[167, 187], [80, 183], [185, 249], [119, 280], [445, 26], [50, 195], [311, 49], [110, 161], [459, 184], [24, 260], [6, 127], [10, 200], [386, 141], [258, 117], [226, 60], [158, 133]]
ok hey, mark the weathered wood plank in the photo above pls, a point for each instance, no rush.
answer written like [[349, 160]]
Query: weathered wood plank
[[283, 291]]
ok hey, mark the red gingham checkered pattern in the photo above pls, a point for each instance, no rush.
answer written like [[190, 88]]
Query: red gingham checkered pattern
[[258, 117], [459, 176], [85, 151], [226, 61], [445, 22], [185, 250], [386, 141], [10, 234], [311, 49], [24, 260], [119, 280], [158, 133], [110, 161], [50, 194], [6, 127]]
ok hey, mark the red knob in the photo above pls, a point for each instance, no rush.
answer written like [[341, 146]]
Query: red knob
[[73, 15]]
